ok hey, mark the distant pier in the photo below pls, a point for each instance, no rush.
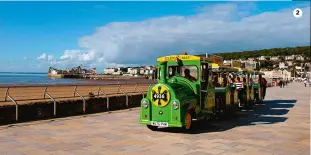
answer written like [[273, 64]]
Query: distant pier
[[100, 76]]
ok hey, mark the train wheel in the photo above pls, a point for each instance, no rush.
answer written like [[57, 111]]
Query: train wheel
[[229, 112], [152, 128], [250, 104], [188, 125]]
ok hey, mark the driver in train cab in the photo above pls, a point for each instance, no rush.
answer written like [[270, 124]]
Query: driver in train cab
[[188, 76]]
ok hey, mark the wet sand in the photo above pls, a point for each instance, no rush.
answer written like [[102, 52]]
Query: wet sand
[[31, 94], [91, 82]]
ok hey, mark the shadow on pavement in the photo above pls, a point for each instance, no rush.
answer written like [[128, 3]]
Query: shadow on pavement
[[268, 113]]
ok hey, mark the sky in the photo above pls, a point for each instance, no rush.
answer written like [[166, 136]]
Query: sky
[[37, 35]]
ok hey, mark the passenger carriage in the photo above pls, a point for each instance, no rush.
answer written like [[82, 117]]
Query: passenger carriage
[[255, 75], [245, 88], [226, 95]]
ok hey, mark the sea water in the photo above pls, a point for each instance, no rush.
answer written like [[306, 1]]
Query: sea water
[[17, 78]]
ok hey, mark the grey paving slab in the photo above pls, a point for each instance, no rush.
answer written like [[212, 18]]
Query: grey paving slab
[[281, 126]]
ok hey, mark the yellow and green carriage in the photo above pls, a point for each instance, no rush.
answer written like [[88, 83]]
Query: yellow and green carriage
[[226, 95], [244, 85], [256, 77]]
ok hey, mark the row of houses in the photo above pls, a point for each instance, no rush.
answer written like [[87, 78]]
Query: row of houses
[[278, 73], [288, 63], [277, 58], [285, 74], [244, 64], [131, 71]]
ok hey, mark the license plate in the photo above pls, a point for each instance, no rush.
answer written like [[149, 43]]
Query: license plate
[[161, 124]]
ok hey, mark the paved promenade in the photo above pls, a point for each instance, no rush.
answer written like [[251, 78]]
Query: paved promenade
[[279, 127]]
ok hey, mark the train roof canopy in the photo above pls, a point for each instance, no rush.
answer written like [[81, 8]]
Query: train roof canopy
[[186, 57], [180, 57], [223, 68]]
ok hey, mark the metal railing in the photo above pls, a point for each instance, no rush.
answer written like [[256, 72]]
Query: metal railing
[[25, 94], [82, 97], [100, 92]]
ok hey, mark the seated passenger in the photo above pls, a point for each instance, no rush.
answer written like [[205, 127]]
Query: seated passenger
[[215, 82], [225, 82], [231, 78], [239, 84], [188, 76], [238, 79]]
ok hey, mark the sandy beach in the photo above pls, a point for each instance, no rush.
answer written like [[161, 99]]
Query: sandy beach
[[30, 94]]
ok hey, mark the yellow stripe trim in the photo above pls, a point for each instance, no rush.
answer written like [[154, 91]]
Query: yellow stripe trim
[[181, 57]]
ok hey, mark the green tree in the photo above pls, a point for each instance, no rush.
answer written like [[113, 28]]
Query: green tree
[[300, 50]]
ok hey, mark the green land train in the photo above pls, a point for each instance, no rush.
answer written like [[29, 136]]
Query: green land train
[[188, 89]]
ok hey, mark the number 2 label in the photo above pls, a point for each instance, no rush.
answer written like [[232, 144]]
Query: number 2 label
[[297, 13]]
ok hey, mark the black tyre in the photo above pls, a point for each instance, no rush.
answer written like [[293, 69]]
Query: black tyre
[[152, 128]]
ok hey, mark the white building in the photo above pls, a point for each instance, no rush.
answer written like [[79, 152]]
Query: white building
[[290, 63], [227, 62], [290, 57], [109, 70], [129, 70], [285, 74], [133, 71], [262, 58], [274, 58], [268, 74], [250, 64], [141, 70], [282, 65], [53, 72], [251, 59], [299, 68], [299, 57]]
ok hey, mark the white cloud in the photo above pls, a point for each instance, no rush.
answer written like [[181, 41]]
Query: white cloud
[[45, 57], [218, 28], [42, 56], [50, 57]]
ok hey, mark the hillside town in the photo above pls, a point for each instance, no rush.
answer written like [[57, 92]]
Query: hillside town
[[274, 67], [283, 67]]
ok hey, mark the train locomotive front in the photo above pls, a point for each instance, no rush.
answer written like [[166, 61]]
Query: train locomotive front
[[167, 103], [165, 106]]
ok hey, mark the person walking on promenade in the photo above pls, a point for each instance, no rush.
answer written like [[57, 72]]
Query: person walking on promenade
[[281, 83], [305, 82], [263, 86]]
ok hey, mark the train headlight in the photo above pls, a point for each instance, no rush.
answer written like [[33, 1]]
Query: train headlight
[[175, 105], [144, 103]]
